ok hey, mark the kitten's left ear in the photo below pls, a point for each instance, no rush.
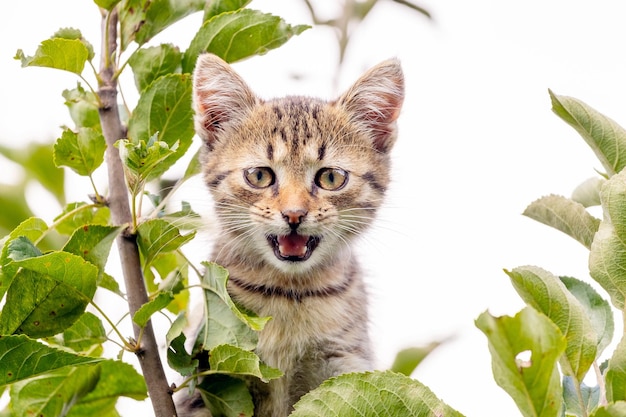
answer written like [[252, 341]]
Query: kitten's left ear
[[220, 96], [375, 100]]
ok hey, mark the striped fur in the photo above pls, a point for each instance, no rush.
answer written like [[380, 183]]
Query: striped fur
[[280, 172]]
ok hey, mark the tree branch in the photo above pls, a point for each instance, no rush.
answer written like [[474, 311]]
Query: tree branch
[[147, 352]]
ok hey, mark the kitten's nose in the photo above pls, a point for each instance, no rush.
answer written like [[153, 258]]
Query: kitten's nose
[[294, 217]]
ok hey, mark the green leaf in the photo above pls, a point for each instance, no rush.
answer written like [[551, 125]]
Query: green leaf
[[64, 54], [148, 64], [224, 322], [565, 215], [146, 311], [185, 218], [169, 272], [75, 34], [596, 309], [143, 161], [39, 306], [85, 333], [177, 328], [546, 293], [48, 294], [100, 408], [605, 137], [22, 248], [590, 397], [173, 269], [93, 242], [194, 167], [372, 394], [141, 20], [83, 152], [588, 192], [237, 35], [216, 7], [157, 236], [83, 107], [608, 251], [22, 358], [232, 360], [30, 229], [64, 268], [617, 409], [178, 358], [226, 396], [75, 215], [54, 393], [615, 374], [408, 359], [117, 379], [613, 197], [109, 283], [165, 108], [607, 256], [533, 384]]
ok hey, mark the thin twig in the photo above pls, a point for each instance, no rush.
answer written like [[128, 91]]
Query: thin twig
[[147, 353]]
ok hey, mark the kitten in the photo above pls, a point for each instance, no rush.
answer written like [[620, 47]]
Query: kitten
[[294, 181]]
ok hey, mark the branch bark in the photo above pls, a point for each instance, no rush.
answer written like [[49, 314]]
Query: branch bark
[[147, 352]]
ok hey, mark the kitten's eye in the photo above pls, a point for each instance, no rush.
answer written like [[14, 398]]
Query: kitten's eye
[[260, 177], [331, 179]]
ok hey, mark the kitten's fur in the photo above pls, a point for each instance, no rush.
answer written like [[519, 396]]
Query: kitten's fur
[[294, 180]]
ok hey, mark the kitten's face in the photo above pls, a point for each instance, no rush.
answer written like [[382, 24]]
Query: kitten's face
[[293, 179]]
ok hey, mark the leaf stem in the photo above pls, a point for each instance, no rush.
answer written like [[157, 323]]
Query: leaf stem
[[99, 198], [125, 345], [95, 93]]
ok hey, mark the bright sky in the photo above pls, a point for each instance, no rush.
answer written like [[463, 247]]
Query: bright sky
[[478, 142]]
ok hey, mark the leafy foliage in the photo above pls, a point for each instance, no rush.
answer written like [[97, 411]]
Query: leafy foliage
[[577, 320]]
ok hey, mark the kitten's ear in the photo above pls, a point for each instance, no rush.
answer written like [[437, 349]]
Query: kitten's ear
[[375, 100], [220, 95]]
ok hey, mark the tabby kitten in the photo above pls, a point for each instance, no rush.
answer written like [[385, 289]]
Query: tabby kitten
[[294, 181]]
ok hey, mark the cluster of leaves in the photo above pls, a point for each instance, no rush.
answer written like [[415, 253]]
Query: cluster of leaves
[[543, 355], [53, 333]]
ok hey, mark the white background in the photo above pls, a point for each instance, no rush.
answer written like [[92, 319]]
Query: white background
[[478, 142]]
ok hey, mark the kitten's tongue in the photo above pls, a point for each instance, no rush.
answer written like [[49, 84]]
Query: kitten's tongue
[[292, 244]]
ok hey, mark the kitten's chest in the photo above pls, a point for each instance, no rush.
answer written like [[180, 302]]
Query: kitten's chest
[[301, 319], [297, 330]]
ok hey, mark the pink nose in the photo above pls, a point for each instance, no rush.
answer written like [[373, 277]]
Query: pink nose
[[294, 217]]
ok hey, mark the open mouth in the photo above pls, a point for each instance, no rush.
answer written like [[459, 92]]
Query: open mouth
[[293, 247]]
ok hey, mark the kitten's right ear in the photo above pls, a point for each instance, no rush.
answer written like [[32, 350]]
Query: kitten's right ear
[[220, 95]]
